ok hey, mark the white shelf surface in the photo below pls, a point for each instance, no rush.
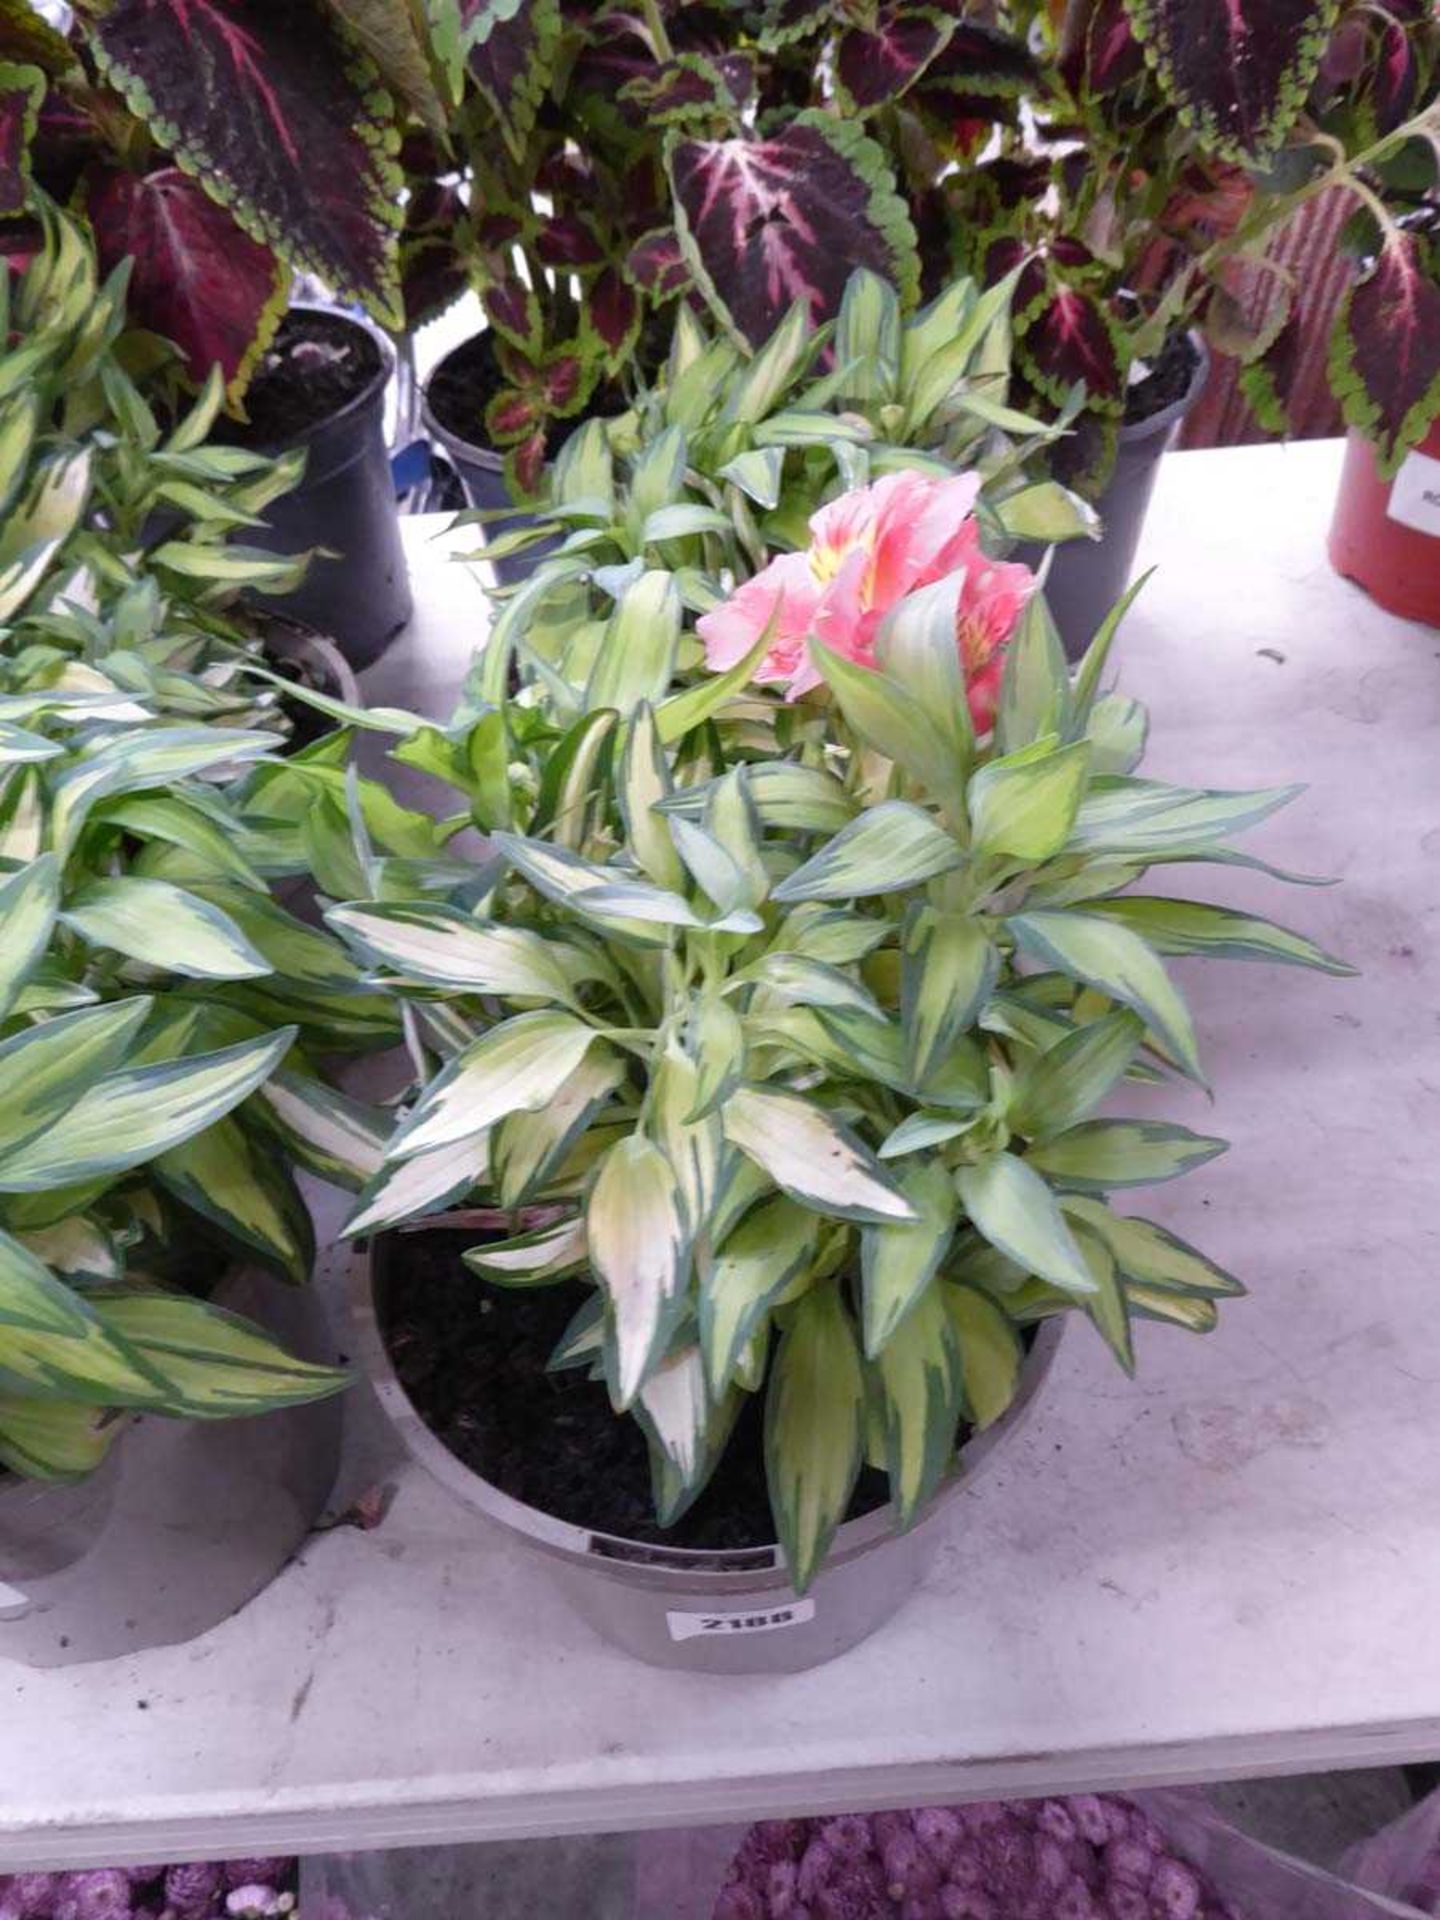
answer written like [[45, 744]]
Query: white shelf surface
[[1228, 1567]]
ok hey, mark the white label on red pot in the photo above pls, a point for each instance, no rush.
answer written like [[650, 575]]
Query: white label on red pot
[[1415, 494], [692, 1626], [12, 1600]]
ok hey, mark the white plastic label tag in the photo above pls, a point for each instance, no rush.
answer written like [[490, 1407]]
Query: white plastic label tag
[[1415, 494], [691, 1626], [12, 1601]]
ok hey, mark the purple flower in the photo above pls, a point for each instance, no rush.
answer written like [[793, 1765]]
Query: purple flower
[[818, 1866], [781, 1889], [939, 1832], [738, 1902], [273, 1872], [103, 1894], [1126, 1903], [192, 1889], [1175, 1891], [1075, 1903], [144, 1876], [966, 1903], [1130, 1861], [1056, 1819], [32, 1895], [850, 1836], [1088, 1812]]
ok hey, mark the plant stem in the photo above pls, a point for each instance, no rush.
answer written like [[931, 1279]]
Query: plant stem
[[650, 12]]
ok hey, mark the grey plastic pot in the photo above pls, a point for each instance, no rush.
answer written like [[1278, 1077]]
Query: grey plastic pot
[[1087, 577], [185, 1522], [358, 589], [711, 1612]]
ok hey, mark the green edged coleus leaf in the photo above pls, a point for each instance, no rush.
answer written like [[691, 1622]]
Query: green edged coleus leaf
[[762, 222], [1238, 74], [756, 1265], [1220, 933], [639, 1249], [52, 1339], [213, 1364], [814, 1427], [153, 921], [514, 1068], [1151, 1254], [899, 1260], [1118, 963], [921, 1384], [232, 1178], [1013, 1208], [810, 1156], [883, 850], [196, 276], [1385, 349], [22, 88], [282, 119], [1099, 1154], [990, 1351], [1072, 340], [400, 37], [510, 49], [879, 64]]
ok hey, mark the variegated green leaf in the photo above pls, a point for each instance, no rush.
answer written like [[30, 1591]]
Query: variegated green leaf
[[887, 717], [949, 972], [829, 934], [1056, 1090], [325, 1131], [1146, 819], [926, 1128], [683, 712], [1024, 805], [643, 783], [51, 1339], [674, 1409], [1152, 1255], [443, 947], [1015, 1210], [167, 927], [532, 1258], [1117, 732], [78, 1249], [884, 850], [810, 983], [810, 1156], [227, 1175], [1107, 1306], [19, 748], [640, 1252], [636, 661], [922, 1386], [28, 903], [130, 1116], [772, 1246], [214, 1365], [899, 1261], [514, 1068], [1180, 1310], [1221, 933], [527, 1147], [1100, 1154], [1035, 696], [717, 1044], [916, 649], [45, 1069], [814, 1426], [181, 823], [136, 760], [1118, 963], [990, 1352], [694, 1147], [425, 1183], [54, 1439], [571, 777]]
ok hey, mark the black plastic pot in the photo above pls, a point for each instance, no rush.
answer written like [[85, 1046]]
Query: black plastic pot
[[345, 504], [481, 472], [1087, 577]]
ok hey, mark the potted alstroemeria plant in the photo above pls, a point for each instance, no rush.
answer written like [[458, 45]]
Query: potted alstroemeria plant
[[761, 1056]]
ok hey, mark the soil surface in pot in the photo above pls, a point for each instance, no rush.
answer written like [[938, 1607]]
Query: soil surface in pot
[[316, 365], [1167, 381], [467, 380], [472, 1358]]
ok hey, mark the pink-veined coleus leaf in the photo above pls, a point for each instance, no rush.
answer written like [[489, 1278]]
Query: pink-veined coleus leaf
[[1396, 82], [657, 266], [1385, 350], [525, 467], [763, 223], [21, 90], [692, 87], [278, 112], [510, 48], [874, 68], [1001, 256], [1069, 339], [1237, 70], [197, 279]]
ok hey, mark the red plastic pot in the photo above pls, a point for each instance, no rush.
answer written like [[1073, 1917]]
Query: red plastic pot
[[1386, 533]]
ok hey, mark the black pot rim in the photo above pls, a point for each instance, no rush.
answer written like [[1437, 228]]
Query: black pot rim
[[358, 403], [475, 450], [1154, 424]]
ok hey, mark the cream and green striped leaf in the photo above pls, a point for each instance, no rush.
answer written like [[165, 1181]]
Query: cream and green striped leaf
[[44, 1069], [422, 1184], [811, 983], [916, 648], [29, 901], [213, 1364], [636, 660], [54, 1439], [717, 1045], [888, 717], [990, 1351], [231, 1177], [674, 1409], [136, 760], [884, 850], [1179, 1310], [1023, 805], [328, 1133], [949, 971], [526, 1148], [1220, 933], [54, 1341], [79, 1249], [1013, 1208], [185, 823], [695, 1146], [1107, 1306], [1151, 1255], [1129, 819], [922, 1386], [925, 1128], [163, 925], [642, 786], [640, 1251], [756, 1263], [132, 1115], [814, 1429], [1058, 1088], [440, 946], [1100, 1154], [1035, 699], [1118, 963], [514, 1068], [810, 1156], [898, 1261], [534, 1257]]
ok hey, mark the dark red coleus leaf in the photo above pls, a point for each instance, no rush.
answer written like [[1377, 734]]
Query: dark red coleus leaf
[[876, 68], [612, 315], [497, 227], [1385, 352], [764, 223], [1397, 78], [525, 467], [66, 141], [1238, 71], [1069, 339], [982, 60], [1003, 255], [433, 276], [511, 415], [197, 278], [515, 313], [562, 382], [510, 50], [1016, 182], [1101, 53], [21, 89], [657, 266], [788, 20], [692, 87], [281, 116], [567, 240]]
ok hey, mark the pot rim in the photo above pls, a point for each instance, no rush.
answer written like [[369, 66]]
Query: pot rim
[[373, 389], [1155, 424], [475, 451], [640, 1563]]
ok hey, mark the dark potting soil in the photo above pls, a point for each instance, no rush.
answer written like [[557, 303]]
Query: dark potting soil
[[316, 364], [472, 1358], [1167, 381]]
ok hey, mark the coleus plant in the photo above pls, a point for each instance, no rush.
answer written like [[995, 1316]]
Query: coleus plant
[[793, 1052], [223, 145], [1159, 158]]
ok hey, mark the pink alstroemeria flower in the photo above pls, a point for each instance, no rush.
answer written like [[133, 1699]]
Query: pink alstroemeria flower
[[867, 551]]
